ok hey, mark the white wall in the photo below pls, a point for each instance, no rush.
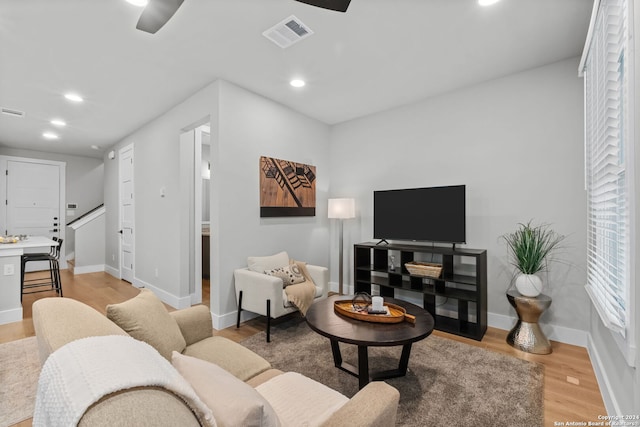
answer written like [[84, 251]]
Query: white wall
[[515, 142], [89, 246], [244, 126], [157, 219], [84, 181], [250, 126]]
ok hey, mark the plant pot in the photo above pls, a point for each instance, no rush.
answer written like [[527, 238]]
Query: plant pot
[[529, 285]]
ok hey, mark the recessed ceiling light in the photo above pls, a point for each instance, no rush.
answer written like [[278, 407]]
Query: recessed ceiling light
[[58, 122], [50, 135], [297, 83], [95, 147], [487, 2], [74, 97], [139, 3]]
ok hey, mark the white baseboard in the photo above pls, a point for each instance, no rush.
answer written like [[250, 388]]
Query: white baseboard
[[335, 287], [229, 319], [606, 390], [88, 269], [194, 300], [553, 332], [10, 316], [70, 255], [166, 297], [112, 271], [567, 335], [501, 321]]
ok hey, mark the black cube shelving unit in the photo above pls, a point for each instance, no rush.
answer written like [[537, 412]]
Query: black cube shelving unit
[[463, 282]]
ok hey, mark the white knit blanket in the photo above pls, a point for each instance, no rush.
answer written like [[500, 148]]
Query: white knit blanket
[[81, 372]]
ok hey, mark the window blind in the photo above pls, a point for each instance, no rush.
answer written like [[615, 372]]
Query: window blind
[[608, 189]]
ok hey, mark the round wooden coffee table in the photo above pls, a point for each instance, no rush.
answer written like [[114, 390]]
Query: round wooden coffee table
[[324, 320]]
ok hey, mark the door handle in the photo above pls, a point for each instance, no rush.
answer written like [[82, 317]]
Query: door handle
[[55, 230], [120, 231]]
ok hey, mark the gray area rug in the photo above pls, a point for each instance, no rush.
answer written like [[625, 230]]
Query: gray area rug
[[19, 371], [448, 383]]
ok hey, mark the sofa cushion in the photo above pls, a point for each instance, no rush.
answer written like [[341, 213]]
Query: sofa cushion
[[55, 321], [229, 355], [145, 318], [301, 401], [194, 322], [232, 402], [263, 377], [290, 274], [260, 264]]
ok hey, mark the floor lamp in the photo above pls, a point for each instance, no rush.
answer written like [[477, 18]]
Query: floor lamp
[[341, 209]]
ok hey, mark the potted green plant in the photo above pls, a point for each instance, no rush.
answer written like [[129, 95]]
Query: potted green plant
[[529, 247]]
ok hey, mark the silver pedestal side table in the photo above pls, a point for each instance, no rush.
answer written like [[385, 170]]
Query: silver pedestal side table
[[526, 335]]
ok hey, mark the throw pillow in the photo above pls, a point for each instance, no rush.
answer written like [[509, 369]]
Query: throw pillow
[[233, 402], [290, 274], [261, 263], [145, 318]]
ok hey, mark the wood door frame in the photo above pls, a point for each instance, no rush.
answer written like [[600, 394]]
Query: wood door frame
[[120, 151], [62, 168]]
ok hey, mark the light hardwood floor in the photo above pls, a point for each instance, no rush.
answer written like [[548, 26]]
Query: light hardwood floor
[[571, 391]]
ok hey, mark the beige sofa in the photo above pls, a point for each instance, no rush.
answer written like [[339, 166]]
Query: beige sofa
[[58, 321]]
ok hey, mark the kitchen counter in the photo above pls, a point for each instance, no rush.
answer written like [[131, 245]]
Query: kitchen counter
[[30, 242], [10, 287]]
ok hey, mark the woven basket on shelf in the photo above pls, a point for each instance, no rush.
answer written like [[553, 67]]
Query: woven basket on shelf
[[425, 269]]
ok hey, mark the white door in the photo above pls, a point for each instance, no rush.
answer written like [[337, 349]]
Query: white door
[[127, 214], [33, 201]]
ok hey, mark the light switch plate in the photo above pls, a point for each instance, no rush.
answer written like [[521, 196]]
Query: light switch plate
[[9, 270]]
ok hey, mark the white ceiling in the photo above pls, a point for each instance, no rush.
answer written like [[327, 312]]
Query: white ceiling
[[378, 55]]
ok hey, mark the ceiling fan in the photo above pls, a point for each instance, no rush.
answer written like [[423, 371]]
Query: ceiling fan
[[337, 5], [157, 12]]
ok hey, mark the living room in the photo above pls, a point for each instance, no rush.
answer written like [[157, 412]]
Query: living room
[[516, 141]]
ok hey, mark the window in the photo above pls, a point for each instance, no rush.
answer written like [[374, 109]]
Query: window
[[609, 170]]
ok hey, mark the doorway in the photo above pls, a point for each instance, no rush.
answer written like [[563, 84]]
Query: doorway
[[194, 219], [206, 213]]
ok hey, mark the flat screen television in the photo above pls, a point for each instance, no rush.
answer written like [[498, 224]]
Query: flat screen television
[[433, 214]]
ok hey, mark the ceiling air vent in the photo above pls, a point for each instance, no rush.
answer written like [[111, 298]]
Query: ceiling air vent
[[12, 113], [288, 32]]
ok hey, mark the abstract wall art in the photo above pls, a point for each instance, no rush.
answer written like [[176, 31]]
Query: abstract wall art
[[286, 188]]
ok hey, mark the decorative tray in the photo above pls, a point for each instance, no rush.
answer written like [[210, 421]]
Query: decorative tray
[[396, 314], [9, 239]]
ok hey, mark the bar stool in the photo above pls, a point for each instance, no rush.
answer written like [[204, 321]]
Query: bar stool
[[54, 271], [41, 256]]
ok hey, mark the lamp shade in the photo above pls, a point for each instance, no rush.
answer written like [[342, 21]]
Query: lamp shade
[[342, 208]]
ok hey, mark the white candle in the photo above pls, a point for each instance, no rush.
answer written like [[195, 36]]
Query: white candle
[[377, 303]]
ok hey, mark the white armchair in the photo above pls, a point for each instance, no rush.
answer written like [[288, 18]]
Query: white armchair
[[263, 294]]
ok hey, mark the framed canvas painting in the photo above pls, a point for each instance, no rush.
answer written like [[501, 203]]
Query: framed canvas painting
[[286, 188]]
